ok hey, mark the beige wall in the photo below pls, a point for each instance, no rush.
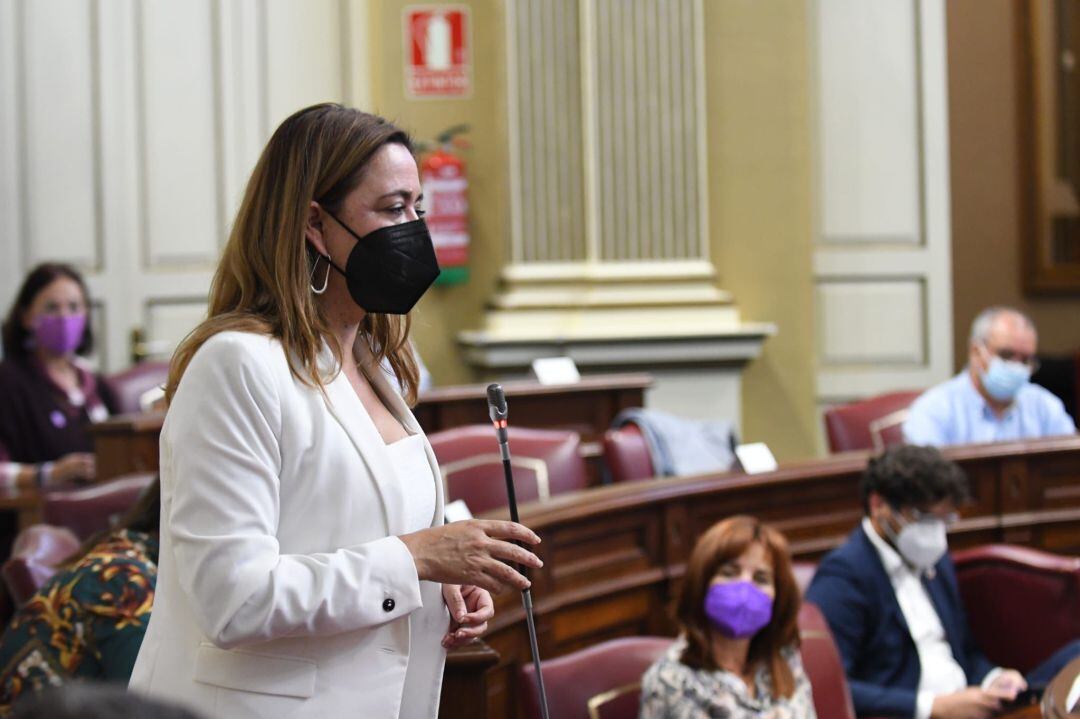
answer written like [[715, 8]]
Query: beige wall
[[760, 204], [447, 310], [986, 183], [759, 170]]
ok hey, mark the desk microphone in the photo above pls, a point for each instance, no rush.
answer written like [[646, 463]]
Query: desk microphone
[[498, 412]]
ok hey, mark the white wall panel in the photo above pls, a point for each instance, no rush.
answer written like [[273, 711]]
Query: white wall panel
[[871, 322], [183, 223], [306, 59], [882, 259], [128, 131], [11, 210], [868, 114], [168, 322], [59, 164]]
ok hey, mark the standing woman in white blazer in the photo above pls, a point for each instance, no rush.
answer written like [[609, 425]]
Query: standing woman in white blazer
[[305, 568]]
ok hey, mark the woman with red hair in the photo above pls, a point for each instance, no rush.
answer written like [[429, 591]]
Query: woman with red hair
[[738, 652]]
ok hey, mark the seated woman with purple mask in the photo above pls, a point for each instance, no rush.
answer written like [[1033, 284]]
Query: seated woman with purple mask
[[49, 392], [738, 652]]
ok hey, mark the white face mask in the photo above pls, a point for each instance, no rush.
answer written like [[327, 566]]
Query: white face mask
[[923, 543]]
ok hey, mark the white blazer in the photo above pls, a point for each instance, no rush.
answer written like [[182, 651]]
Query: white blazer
[[283, 590]]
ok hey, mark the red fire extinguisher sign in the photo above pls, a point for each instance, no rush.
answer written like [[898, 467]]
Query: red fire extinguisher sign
[[437, 51], [446, 201]]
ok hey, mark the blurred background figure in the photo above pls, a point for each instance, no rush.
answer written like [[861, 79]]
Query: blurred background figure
[[50, 394]]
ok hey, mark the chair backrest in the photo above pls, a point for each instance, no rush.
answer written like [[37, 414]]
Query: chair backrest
[[872, 423], [626, 454], [38, 551], [607, 674], [1036, 595], [130, 385], [824, 669], [92, 509], [545, 462]]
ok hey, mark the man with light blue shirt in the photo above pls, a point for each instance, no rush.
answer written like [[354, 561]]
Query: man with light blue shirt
[[992, 400]]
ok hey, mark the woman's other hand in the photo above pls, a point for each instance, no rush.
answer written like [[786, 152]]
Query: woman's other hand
[[74, 467], [471, 553], [470, 609]]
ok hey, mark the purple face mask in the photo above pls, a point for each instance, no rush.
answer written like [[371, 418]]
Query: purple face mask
[[738, 609], [59, 334]]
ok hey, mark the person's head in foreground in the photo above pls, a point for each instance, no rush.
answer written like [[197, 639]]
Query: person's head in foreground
[[86, 700]]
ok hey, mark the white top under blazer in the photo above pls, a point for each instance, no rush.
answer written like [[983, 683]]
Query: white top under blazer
[[283, 590]]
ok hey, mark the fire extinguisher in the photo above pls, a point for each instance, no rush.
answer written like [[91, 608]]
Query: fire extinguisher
[[442, 174]]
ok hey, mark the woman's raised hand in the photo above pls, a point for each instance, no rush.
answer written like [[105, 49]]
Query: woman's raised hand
[[471, 552]]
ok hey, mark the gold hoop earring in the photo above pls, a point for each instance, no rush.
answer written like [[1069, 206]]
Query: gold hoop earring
[[326, 278]]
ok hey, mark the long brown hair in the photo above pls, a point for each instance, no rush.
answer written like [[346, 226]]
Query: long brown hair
[[722, 543], [262, 284]]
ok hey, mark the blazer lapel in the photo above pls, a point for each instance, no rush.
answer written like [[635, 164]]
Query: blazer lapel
[[348, 410], [390, 396]]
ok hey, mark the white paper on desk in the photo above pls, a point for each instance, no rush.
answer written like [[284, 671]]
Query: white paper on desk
[[756, 458], [556, 370], [456, 511], [1072, 703]]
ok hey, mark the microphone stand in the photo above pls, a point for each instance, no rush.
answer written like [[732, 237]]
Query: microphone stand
[[498, 411]]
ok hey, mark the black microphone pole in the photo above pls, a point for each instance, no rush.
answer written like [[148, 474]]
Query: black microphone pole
[[498, 411]]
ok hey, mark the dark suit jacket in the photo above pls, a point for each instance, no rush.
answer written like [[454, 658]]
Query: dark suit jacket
[[880, 659]]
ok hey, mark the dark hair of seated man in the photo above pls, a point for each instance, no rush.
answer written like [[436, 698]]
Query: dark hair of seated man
[[911, 476]]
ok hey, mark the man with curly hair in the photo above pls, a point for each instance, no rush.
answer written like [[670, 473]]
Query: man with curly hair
[[891, 599]]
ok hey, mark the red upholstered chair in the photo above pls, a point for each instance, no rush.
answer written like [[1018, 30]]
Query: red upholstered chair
[[546, 462], [626, 454], [1035, 599], [129, 386], [600, 682], [873, 423], [38, 551], [91, 509], [824, 668]]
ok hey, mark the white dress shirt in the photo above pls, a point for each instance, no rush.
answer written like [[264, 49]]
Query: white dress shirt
[[939, 671]]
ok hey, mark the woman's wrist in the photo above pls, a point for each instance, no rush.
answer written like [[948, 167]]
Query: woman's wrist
[[44, 474]]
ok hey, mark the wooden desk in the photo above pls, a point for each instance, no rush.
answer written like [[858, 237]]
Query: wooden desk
[[1057, 693], [614, 556], [129, 443]]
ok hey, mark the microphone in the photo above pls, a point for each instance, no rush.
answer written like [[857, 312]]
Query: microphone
[[498, 411]]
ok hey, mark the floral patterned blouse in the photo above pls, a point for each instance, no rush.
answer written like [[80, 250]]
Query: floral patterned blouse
[[672, 690], [87, 621]]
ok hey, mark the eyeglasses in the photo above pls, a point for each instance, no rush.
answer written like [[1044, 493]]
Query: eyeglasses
[[1008, 355], [919, 516]]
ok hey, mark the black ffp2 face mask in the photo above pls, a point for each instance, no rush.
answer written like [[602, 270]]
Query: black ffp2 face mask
[[390, 269]]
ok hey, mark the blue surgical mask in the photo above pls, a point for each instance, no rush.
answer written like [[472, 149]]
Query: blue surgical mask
[[1002, 380]]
